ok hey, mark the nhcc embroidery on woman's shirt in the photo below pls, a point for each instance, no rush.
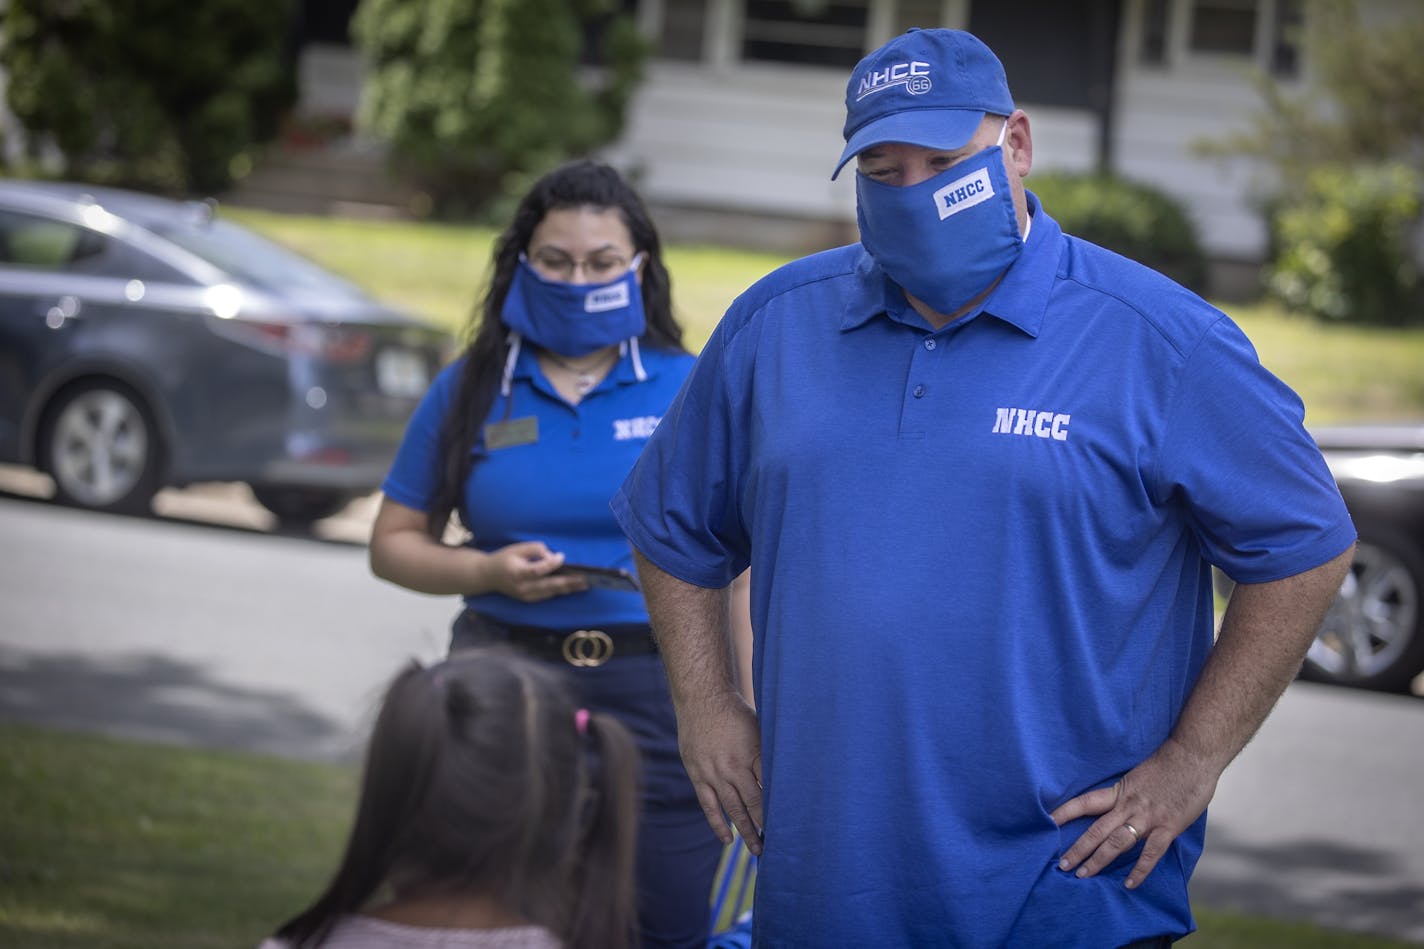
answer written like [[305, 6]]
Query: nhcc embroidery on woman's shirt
[[626, 429]]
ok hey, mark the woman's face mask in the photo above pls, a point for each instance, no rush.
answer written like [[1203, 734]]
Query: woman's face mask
[[944, 240], [574, 319]]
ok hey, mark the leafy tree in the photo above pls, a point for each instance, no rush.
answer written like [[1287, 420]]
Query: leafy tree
[[1345, 246], [1360, 101], [476, 97], [167, 95], [1344, 147]]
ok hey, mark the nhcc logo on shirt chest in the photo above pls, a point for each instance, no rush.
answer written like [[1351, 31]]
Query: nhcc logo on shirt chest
[[627, 429], [1035, 423]]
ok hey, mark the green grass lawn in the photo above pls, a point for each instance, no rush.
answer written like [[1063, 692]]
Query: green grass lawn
[[122, 844], [1342, 373], [111, 843]]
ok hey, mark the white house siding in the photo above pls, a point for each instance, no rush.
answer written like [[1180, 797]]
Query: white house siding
[[329, 80], [755, 138], [762, 140], [1161, 114]]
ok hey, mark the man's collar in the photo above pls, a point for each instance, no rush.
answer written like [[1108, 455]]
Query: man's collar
[[867, 299], [1022, 296]]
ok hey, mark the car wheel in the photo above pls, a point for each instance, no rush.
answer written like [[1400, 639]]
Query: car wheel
[[299, 507], [101, 448], [1373, 635]]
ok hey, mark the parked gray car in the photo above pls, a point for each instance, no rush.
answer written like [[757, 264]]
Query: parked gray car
[[146, 342], [1374, 634]]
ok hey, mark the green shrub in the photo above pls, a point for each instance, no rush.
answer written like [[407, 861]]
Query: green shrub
[[1343, 248], [479, 97], [1135, 220], [167, 100]]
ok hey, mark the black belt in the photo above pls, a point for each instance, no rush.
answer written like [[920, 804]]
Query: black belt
[[585, 647]]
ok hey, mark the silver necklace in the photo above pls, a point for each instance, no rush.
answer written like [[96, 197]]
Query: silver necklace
[[585, 378]]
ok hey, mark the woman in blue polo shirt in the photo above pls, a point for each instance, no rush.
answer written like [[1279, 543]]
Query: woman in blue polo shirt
[[574, 358]]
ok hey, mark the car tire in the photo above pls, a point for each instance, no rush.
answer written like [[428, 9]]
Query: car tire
[[100, 445], [300, 507], [1373, 634]]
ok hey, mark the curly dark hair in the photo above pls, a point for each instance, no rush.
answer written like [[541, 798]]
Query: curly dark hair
[[579, 184]]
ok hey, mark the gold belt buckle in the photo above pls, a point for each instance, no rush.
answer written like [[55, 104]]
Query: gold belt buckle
[[587, 648]]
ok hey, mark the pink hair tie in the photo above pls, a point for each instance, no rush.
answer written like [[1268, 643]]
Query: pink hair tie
[[581, 721]]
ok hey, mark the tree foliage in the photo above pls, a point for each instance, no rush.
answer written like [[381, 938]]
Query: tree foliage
[[1345, 246], [1343, 147], [166, 95], [476, 97], [1360, 100]]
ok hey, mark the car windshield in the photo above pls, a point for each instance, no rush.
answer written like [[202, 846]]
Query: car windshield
[[254, 260]]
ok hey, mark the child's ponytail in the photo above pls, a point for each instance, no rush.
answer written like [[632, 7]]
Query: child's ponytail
[[603, 914]]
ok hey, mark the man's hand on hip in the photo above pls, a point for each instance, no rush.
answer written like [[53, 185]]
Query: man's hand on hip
[[1152, 804]]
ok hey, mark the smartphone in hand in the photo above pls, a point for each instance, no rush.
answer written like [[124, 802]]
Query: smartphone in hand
[[602, 578]]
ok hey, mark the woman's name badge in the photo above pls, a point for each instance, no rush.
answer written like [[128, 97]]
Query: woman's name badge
[[516, 431]]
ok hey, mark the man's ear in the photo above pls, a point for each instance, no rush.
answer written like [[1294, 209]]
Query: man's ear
[[1018, 144]]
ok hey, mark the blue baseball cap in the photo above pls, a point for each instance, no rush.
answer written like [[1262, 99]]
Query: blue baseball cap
[[930, 88]]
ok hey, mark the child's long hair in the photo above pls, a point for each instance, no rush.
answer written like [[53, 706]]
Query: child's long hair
[[479, 780]]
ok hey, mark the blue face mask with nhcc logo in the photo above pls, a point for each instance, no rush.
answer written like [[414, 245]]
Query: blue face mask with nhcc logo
[[946, 239], [573, 319]]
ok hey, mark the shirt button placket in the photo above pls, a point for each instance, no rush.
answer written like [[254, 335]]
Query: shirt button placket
[[920, 388]]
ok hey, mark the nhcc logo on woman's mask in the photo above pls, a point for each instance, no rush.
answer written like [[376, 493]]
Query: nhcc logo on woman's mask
[[606, 298]]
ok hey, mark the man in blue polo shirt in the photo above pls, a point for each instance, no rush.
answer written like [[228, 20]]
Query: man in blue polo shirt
[[980, 470]]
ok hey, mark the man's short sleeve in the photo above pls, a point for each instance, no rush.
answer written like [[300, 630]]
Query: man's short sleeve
[[678, 506], [1237, 455]]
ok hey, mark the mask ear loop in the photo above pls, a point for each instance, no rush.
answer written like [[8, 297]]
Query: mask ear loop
[[630, 345], [1003, 132], [506, 380]]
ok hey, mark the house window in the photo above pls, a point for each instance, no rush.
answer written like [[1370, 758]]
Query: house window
[[1153, 48], [1286, 38], [1264, 32], [684, 22], [922, 13], [812, 32], [1224, 26]]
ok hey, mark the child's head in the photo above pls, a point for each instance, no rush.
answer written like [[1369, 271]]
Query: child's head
[[483, 777]]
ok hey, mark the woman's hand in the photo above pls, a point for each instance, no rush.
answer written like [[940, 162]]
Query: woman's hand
[[525, 571], [403, 552]]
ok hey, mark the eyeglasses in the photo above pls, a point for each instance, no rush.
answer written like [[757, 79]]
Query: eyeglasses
[[601, 266]]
